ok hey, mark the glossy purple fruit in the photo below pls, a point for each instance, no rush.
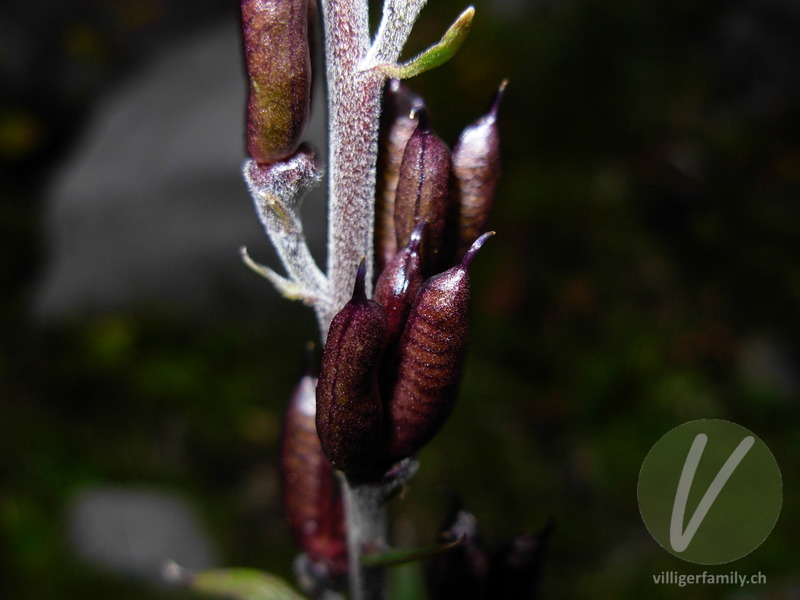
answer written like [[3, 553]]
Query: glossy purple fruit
[[423, 192], [476, 170], [278, 60], [398, 285], [312, 500], [401, 111], [349, 410], [430, 356]]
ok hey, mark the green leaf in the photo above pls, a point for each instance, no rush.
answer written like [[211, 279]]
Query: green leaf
[[242, 584], [407, 582], [402, 556], [437, 54]]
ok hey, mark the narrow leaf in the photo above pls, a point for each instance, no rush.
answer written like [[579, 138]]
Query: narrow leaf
[[434, 56], [242, 584], [406, 555], [288, 288]]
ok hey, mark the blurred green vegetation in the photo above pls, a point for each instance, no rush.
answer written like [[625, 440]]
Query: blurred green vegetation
[[647, 233]]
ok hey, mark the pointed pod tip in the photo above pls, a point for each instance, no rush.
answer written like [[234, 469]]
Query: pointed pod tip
[[473, 250], [420, 114], [416, 236], [498, 97], [360, 287]]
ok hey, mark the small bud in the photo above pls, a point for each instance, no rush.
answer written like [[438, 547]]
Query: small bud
[[399, 116], [423, 192], [398, 285], [349, 411], [476, 169], [461, 571], [312, 499], [430, 355], [516, 569], [277, 54]]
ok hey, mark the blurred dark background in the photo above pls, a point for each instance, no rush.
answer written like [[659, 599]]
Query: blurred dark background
[[646, 272]]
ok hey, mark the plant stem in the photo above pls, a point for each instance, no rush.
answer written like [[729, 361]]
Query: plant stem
[[365, 510], [354, 105], [366, 526], [353, 110], [354, 93]]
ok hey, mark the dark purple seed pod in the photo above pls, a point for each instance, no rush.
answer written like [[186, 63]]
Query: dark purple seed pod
[[476, 170], [278, 59], [400, 114], [429, 358], [349, 410], [423, 192], [398, 285], [312, 499]]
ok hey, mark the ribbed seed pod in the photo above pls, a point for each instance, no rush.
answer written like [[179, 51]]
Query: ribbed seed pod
[[349, 411], [400, 113], [277, 55], [312, 500], [398, 285], [423, 192], [430, 355], [476, 169]]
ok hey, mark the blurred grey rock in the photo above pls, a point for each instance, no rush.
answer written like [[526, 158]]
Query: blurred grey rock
[[151, 207], [135, 531]]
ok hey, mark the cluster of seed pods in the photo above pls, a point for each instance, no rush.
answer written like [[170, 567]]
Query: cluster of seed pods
[[391, 364]]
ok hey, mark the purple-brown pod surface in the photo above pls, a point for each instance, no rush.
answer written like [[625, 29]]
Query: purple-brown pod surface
[[476, 170], [278, 60], [312, 500], [349, 411], [429, 358], [400, 114], [423, 192], [398, 285]]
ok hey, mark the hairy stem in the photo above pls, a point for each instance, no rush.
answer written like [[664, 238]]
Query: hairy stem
[[365, 510], [354, 92], [277, 191], [366, 529], [354, 104], [353, 111]]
